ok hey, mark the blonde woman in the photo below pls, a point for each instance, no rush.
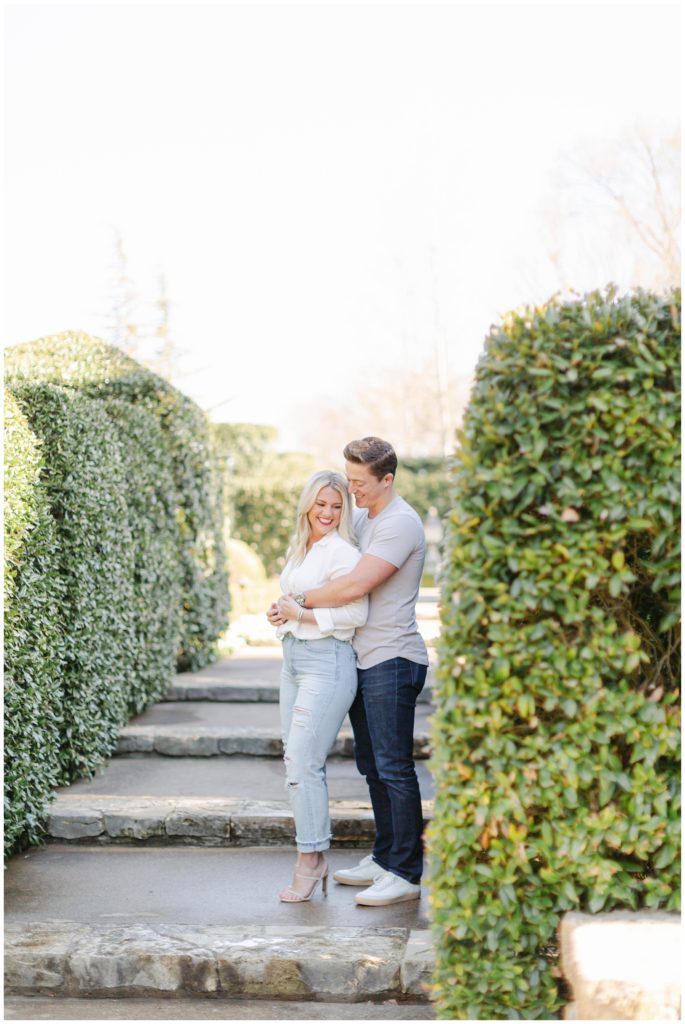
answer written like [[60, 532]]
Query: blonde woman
[[319, 675]]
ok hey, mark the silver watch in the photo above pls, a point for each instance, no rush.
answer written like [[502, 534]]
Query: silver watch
[[299, 599]]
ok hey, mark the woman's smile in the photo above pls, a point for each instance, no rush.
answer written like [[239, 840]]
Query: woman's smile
[[324, 515]]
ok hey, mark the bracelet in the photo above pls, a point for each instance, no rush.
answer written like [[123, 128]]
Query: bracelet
[[300, 614]]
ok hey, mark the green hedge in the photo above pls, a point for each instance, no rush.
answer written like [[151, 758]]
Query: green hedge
[[556, 731], [34, 638], [84, 481], [114, 573], [98, 370]]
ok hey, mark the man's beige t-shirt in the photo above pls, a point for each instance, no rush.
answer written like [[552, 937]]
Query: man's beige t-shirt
[[395, 535]]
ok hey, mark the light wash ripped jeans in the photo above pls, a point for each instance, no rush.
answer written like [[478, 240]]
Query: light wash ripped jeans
[[318, 685]]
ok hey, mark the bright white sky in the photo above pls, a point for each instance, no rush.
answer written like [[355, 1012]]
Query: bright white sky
[[324, 186]]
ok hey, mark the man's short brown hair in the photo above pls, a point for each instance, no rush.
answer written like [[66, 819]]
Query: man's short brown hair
[[373, 452]]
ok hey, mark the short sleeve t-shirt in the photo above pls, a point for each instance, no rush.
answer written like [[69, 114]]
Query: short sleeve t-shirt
[[395, 535]]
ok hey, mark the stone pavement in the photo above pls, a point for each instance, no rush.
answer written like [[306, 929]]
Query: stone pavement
[[160, 876]]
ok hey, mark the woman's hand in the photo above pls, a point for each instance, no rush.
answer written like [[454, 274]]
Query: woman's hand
[[288, 607], [274, 615]]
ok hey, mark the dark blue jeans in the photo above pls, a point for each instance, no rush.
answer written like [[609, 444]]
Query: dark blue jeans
[[382, 717]]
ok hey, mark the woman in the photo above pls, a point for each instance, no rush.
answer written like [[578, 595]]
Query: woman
[[319, 675]]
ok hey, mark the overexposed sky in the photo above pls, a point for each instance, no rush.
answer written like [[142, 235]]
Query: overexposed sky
[[327, 188]]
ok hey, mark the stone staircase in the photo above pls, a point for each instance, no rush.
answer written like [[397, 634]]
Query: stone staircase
[[160, 875]]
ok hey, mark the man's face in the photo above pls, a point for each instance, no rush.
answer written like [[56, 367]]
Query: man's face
[[364, 486]]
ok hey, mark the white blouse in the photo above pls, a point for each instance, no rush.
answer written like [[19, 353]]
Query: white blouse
[[327, 559]]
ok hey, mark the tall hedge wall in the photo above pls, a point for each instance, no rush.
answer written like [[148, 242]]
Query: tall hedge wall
[[101, 371], [115, 573], [34, 639], [556, 731]]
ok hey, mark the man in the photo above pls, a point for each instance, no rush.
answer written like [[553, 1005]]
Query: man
[[392, 665]]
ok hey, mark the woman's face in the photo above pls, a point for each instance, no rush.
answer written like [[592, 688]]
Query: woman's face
[[324, 515]]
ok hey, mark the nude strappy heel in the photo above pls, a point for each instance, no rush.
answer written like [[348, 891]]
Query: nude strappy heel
[[298, 897]]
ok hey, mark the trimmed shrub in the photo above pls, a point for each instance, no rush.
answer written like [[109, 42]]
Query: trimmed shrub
[[34, 637], [115, 567], [84, 484], [101, 371], [149, 495], [556, 731]]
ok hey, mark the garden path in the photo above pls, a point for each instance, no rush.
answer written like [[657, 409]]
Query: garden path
[[161, 873]]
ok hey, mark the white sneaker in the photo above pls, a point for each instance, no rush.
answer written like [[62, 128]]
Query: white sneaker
[[364, 873], [387, 889]]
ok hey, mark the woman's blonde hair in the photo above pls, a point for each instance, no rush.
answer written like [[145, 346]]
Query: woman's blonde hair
[[325, 478]]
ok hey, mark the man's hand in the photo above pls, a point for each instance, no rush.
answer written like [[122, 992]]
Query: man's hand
[[275, 616]]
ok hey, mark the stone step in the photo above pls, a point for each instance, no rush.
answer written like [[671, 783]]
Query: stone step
[[187, 741], [251, 675], [207, 1009], [199, 822], [69, 958], [197, 885], [246, 778], [205, 729]]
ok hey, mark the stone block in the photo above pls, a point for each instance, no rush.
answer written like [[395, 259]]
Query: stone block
[[417, 963], [253, 742], [347, 963], [137, 819], [138, 960], [141, 959], [37, 955], [622, 965], [186, 743], [341, 963], [200, 820], [352, 824], [135, 740], [74, 821], [262, 825]]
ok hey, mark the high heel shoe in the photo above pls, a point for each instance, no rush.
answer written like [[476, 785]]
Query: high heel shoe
[[298, 897]]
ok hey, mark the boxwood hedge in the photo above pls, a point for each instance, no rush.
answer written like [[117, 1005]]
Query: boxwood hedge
[[556, 731], [83, 480], [114, 572], [101, 371], [34, 639]]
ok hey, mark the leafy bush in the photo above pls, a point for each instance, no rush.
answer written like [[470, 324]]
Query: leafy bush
[[101, 371], [84, 482], [149, 496], [34, 638], [112, 572], [556, 735]]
